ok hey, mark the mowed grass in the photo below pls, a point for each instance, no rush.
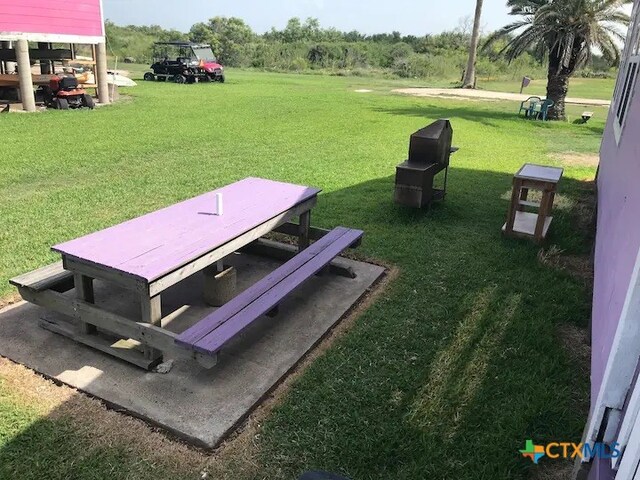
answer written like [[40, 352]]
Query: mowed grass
[[445, 376], [590, 88]]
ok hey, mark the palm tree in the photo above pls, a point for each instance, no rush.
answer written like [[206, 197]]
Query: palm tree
[[566, 32], [470, 73]]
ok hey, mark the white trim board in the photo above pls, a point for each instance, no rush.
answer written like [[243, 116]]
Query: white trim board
[[628, 466], [51, 38], [630, 426], [621, 364]]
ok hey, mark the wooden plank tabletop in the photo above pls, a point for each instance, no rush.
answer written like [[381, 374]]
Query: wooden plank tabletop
[[532, 171], [12, 80], [158, 243]]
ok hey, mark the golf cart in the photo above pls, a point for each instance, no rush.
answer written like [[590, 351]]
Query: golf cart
[[193, 63], [64, 93]]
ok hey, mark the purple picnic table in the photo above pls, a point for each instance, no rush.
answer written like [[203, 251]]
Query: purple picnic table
[[151, 253], [149, 247]]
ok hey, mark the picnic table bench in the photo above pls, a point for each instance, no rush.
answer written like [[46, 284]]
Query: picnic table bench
[[149, 254]]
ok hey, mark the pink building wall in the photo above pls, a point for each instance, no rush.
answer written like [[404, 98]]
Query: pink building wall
[[74, 18], [618, 234]]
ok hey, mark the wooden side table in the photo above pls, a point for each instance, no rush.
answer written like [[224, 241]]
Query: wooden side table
[[521, 223]]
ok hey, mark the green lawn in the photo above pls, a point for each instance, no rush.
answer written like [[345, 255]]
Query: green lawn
[[597, 88], [445, 376]]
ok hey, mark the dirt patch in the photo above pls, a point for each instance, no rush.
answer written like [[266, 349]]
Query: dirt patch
[[584, 210], [235, 459], [100, 426], [573, 159], [578, 266], [575, 341], [556, 470], [9, 299]]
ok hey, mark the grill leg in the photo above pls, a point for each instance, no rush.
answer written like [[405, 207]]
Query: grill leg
[[446, 177]]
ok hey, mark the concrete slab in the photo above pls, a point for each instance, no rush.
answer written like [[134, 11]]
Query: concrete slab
[[199, 405]]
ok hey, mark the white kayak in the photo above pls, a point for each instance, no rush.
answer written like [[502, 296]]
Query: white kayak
[[118, 80]]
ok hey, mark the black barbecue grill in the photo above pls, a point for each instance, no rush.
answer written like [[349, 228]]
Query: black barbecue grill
[[429, 152]]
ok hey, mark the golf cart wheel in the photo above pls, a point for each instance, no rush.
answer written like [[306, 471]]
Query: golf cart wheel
[[62, 104], [221, 78], [180, 79], [87, 101], [149, 77]]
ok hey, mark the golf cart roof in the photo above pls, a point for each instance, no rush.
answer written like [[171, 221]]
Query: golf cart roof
[[184, 44]]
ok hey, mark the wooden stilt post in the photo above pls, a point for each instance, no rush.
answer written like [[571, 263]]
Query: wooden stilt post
[[45, 65], [24, 73], [101, 73]]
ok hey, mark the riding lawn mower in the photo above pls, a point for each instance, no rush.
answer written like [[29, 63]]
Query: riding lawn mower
[[64, 93]]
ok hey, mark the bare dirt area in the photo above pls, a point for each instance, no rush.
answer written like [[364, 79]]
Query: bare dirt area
[[574, 159], [9, 299], [99, 426], [558, 470], [488, 95], [578, 266]]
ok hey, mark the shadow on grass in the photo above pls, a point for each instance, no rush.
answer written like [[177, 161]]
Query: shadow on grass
[[474, 113], [444, 377], [484, 114], [460, 363]]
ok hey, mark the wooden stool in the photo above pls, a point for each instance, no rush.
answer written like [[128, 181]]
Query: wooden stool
[[532, 225]]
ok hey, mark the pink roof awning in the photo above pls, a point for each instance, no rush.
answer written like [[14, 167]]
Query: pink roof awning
[[80, 21]]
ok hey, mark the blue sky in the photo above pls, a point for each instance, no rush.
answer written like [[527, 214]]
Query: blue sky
[[368, 16]]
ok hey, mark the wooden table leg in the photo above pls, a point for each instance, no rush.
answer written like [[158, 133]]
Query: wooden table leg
[[542, 216], [524, 194], [84, 291], [151, 313], [511, 216], [303, 230], [552, 198]]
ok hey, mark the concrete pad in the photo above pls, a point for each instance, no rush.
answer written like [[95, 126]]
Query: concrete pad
[[199, 405]]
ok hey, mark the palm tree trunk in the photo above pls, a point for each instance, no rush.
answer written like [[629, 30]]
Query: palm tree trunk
[[470, 73], [557, 87]]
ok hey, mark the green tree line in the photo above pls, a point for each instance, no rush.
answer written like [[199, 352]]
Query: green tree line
[[306, 45]]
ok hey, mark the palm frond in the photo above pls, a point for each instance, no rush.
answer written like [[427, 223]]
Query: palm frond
[[505, 32], [566, 30]]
